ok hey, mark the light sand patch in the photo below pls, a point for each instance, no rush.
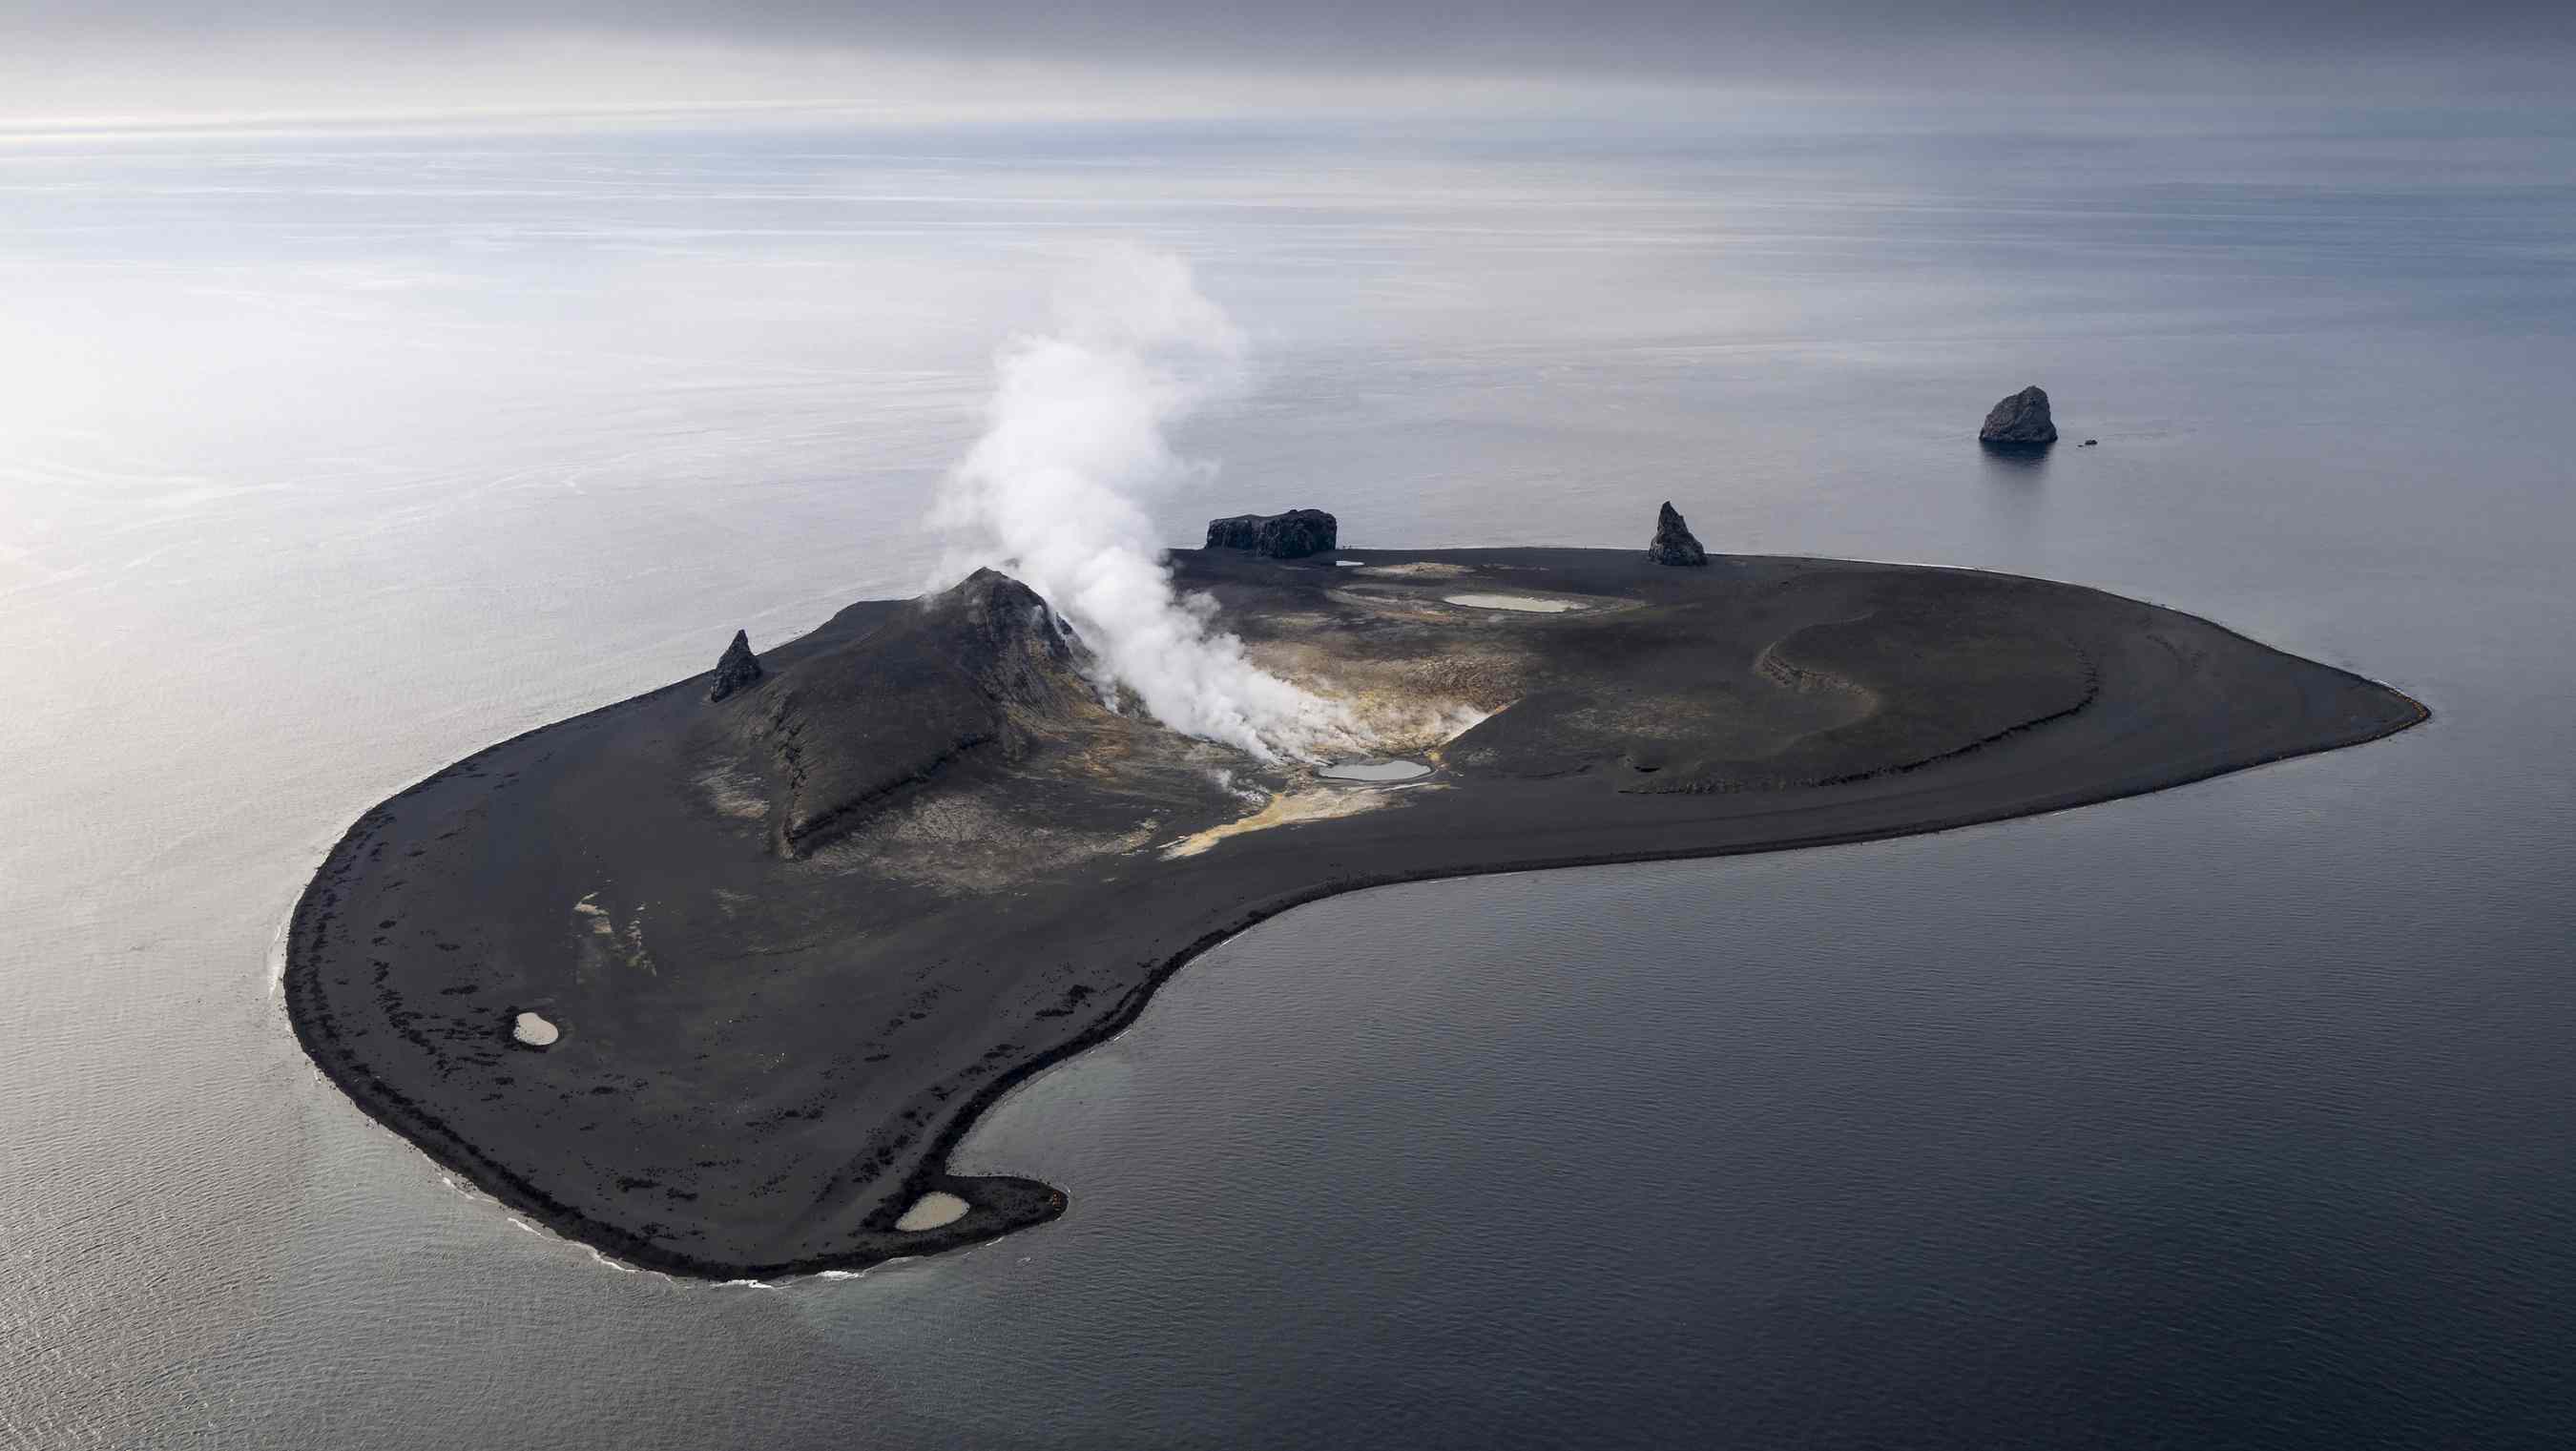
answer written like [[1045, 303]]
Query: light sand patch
[[735, 792], [968, 842], [1286, 809], [930, 1211], [534, 1031], [1408, 704], [1526, 604], [603, 941], [1388, 606], [1298, 622], [1420, 569]]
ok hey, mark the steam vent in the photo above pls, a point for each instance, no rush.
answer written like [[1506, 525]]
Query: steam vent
[[2020, 421], [1673, 542], [1292, 535]]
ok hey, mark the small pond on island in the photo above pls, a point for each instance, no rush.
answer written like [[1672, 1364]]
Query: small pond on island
[[1374, 771]]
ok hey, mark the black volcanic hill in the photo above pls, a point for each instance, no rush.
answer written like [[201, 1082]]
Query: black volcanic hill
[[983, 666]]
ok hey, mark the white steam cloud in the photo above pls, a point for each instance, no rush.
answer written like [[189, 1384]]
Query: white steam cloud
[[1076, 435]]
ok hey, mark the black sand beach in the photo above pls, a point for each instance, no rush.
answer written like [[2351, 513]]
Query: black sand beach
[[796, 939]]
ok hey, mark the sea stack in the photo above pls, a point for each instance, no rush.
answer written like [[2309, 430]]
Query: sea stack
[[739, 669], [1673, 543], [1292, 535], [2020, 421]]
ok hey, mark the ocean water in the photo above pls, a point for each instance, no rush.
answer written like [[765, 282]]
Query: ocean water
[[2237, 1114]]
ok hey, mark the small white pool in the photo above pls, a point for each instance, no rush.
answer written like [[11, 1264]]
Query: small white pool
[[1527, 604], [1374, 771], [535, 1031]]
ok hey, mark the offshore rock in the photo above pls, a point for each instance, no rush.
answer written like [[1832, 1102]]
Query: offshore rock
[[1292, 535], [739, 669], [2020, 421], [1673, 543]]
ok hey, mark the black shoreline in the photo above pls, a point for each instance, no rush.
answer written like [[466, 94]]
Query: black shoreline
[[1000, 1204]]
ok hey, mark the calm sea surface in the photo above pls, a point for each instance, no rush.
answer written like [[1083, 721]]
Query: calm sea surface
[[2240, 1114]]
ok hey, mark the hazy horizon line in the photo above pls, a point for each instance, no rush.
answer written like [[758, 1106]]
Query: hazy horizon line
[[101, 82]]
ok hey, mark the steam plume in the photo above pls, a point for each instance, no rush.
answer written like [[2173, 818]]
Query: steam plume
[[1074, 438]]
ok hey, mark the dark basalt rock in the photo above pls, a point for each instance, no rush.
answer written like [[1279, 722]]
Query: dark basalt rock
[[1292, 535], [739, 669], [1673, 543], [2020, 421]]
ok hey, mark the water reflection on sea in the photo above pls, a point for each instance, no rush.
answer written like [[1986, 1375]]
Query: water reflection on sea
[[2235, 1112]]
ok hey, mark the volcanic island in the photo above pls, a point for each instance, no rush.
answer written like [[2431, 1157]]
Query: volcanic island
[[714, 979]]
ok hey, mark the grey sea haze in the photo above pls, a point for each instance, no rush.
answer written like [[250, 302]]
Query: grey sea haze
[[2237, 1114]]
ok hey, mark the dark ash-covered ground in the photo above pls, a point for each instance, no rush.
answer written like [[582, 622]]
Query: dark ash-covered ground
[[796, 939]]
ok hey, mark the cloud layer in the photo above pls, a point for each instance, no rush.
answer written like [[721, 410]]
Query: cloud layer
[[913, 60]]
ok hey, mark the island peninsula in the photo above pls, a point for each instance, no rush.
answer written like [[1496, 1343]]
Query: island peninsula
[[715, 985]]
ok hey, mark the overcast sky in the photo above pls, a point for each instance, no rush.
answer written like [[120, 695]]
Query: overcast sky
[[170, 57]]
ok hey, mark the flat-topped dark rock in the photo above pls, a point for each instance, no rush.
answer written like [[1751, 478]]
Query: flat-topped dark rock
[[1293, 535], [789, 944]]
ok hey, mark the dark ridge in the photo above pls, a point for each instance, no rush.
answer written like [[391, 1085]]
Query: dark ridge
[[983, 665]]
